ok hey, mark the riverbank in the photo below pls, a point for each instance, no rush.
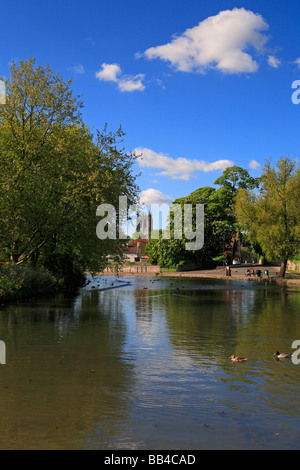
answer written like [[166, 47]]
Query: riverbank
[[21, 283], [237, 272]]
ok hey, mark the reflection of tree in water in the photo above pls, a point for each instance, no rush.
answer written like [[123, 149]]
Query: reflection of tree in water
[[65, 374], [69, 380], [209, 326], [199, 322], [210, 323]]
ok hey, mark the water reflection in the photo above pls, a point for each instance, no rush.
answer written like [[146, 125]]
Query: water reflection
[[147, 365], [59, 378]]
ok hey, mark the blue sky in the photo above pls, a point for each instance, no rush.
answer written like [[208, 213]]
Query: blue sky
[[196, 85]]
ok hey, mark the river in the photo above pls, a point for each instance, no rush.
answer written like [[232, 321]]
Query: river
[[143, 363]]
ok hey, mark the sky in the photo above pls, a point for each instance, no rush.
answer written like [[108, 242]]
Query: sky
[[197, 86]]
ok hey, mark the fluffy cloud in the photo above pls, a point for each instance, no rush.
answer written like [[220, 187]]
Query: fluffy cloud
[[2, 92], [153, 196], [113, 73], [273, 61], [109, 72], [218, 42], [254, 165], [177, 168], [132, 83]]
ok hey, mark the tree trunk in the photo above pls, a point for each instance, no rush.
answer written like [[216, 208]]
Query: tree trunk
[[283, 267]]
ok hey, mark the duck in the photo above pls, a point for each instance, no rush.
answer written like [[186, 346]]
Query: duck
[[279, 355], [238, 358]]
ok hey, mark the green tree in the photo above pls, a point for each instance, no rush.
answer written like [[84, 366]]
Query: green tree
[[232, 179], [271, 215], [217, 232], [54, 173], [166, 252], [220, 223]]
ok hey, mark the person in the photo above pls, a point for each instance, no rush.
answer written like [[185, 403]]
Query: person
[[250, 272]]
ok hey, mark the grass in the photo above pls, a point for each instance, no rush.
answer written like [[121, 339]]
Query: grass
[[168, 270], [296, 273]]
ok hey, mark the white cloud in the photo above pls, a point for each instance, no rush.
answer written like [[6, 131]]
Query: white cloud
[[78, 69], [297, 61], [177, 168], [109, 72], [153, 196], [132, 83], [113, 73], [254, 165], [218, 42], [2, 92], [273, 61]]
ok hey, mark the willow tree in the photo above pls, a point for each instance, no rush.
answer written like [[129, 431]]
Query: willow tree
[[271, 215], [54, 173]]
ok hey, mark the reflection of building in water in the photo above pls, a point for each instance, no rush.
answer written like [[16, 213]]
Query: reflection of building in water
[[143, 305], [241, 301]]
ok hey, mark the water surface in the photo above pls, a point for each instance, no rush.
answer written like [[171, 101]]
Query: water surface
[[146, 366]]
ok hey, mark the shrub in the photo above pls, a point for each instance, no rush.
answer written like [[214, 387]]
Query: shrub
[[18, 282]]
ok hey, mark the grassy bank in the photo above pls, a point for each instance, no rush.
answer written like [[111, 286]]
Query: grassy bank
[[22, 282]]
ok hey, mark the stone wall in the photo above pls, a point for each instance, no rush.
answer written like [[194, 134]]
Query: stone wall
[[133, 269], [293, 266], [187, 267]]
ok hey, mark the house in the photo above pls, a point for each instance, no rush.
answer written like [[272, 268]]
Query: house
[[136, 250]]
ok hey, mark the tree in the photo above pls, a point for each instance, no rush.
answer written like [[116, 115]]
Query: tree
[[271, 215], [54, 173], [236, 177], [166, 252], [220, 222], [232, 179], [217, 231]]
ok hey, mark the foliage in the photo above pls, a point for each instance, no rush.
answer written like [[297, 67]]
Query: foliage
[[54, 173], [296, 257], [219, 221], [165, 252], [18, 282], [271, 216]]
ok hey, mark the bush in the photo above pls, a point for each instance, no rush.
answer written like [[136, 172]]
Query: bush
[[66, 268], [17, 282], [296, 258]]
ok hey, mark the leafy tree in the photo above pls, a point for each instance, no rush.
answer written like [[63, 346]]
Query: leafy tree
[[220, 222], [232, 179], [54, 173], [236, 177], [167, 252], [271, 215]]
